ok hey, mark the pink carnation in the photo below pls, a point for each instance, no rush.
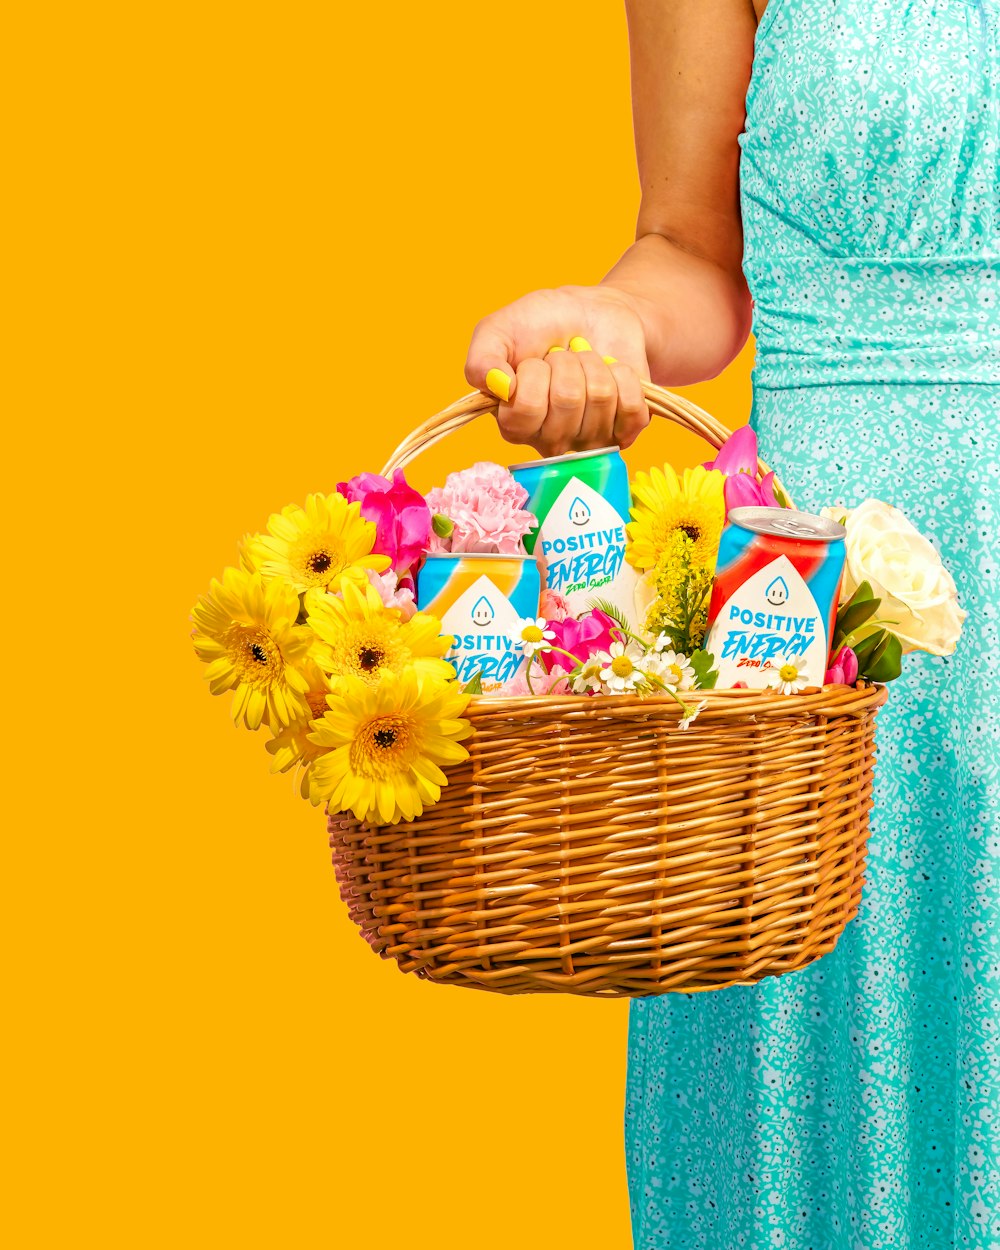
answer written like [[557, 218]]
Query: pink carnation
[[553, 606], [486, 507], [582, 638], [400, 514], [395, 592]]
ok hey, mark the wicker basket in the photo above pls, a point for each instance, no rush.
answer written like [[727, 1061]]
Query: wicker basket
[[589, 846]]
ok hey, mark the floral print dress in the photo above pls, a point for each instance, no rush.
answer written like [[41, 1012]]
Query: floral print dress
[[856, 1104]]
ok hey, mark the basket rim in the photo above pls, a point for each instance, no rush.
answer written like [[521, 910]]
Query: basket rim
[[816, 700]]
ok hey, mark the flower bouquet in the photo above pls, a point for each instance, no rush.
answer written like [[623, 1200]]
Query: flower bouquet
[[501, 719]]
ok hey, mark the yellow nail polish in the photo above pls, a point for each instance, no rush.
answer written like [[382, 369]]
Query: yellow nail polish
[[579, 344], [499, 384], [610, 360], [556, 349]]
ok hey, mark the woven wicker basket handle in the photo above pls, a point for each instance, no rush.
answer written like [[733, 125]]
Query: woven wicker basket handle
[[662, 403]]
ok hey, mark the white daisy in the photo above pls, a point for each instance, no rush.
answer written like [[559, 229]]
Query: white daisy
[[692, 715], [589, 676], [534, 636], [623, 667], [788, 679], [673, 669]]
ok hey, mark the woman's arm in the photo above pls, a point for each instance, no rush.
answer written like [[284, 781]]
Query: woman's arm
[[676, 306], [691, 63]]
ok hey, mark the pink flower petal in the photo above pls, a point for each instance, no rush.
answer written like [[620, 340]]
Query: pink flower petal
[[738, 454], [844, 663]]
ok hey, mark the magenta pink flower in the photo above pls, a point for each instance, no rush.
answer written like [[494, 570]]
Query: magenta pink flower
[[582, 638], [843, 670], [737, 458], [553, 606], [486, 506], [400, 514]]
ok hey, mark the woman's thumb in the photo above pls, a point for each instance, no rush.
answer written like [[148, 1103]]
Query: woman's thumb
[[488, 366]]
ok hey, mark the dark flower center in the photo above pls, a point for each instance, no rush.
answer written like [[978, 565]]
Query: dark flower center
[[692, 531], [320, 561], [385, 737], [369, 659], [258, 653]]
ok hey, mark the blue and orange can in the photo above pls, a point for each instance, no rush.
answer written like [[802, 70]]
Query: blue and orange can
[[481, 600]]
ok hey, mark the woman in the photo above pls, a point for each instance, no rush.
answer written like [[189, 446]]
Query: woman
[[836, 161]]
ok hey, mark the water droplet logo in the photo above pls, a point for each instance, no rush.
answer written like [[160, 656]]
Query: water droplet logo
[[579, 513], [482, 612], [777, 593]]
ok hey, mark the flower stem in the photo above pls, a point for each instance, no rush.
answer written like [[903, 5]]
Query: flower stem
[[665, 689]]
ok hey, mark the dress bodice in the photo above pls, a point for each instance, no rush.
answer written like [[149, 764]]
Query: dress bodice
[[870, 183]]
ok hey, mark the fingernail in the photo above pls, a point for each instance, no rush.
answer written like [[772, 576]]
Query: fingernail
[[556, 349], [579, 344], [610, 360], [499, 383]]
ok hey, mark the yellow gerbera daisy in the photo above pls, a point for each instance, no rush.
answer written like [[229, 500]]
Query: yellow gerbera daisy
[[321, 545], [290, 745], [386, 746], [360, 637], [664, 504], [246, 559], [245, 632]]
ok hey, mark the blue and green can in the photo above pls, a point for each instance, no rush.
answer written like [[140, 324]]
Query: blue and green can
[[582, 504]]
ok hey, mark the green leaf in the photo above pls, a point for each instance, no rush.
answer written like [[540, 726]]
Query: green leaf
[[851, 617], [866, 648], [705, 672], [475, 685], [442, 525], [609, 609], [887, 663]]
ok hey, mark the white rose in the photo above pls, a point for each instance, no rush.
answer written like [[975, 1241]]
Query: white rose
[[919, 600]]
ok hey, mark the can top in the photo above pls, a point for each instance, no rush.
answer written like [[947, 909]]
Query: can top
[[787, 523], [572, 455], [475, 555]]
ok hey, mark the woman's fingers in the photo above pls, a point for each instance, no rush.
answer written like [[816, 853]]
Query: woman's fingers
[[556, 392], [573, 401], [521, 420], [632, 414], [487, 366], [597, 425], [567, 404]]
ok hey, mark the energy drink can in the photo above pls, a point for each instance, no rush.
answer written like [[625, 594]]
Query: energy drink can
[[582, 505], [774, 599], [481, 601]]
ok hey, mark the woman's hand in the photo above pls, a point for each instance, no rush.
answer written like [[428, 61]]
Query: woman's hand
[[566, 365]]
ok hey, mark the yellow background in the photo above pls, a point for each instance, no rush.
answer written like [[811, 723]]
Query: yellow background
[[252, 241]]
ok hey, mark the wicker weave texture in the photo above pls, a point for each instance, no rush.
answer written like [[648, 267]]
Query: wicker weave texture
[[591, 846]]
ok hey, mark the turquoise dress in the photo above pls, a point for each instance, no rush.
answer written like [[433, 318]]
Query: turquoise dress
[[856, 1104]]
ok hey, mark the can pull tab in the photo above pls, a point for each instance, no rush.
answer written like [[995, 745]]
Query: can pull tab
[[789, 525]]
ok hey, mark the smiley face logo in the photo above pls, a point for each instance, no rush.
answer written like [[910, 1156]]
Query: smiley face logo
[[482, 612], [579, 513], [777, 593]]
